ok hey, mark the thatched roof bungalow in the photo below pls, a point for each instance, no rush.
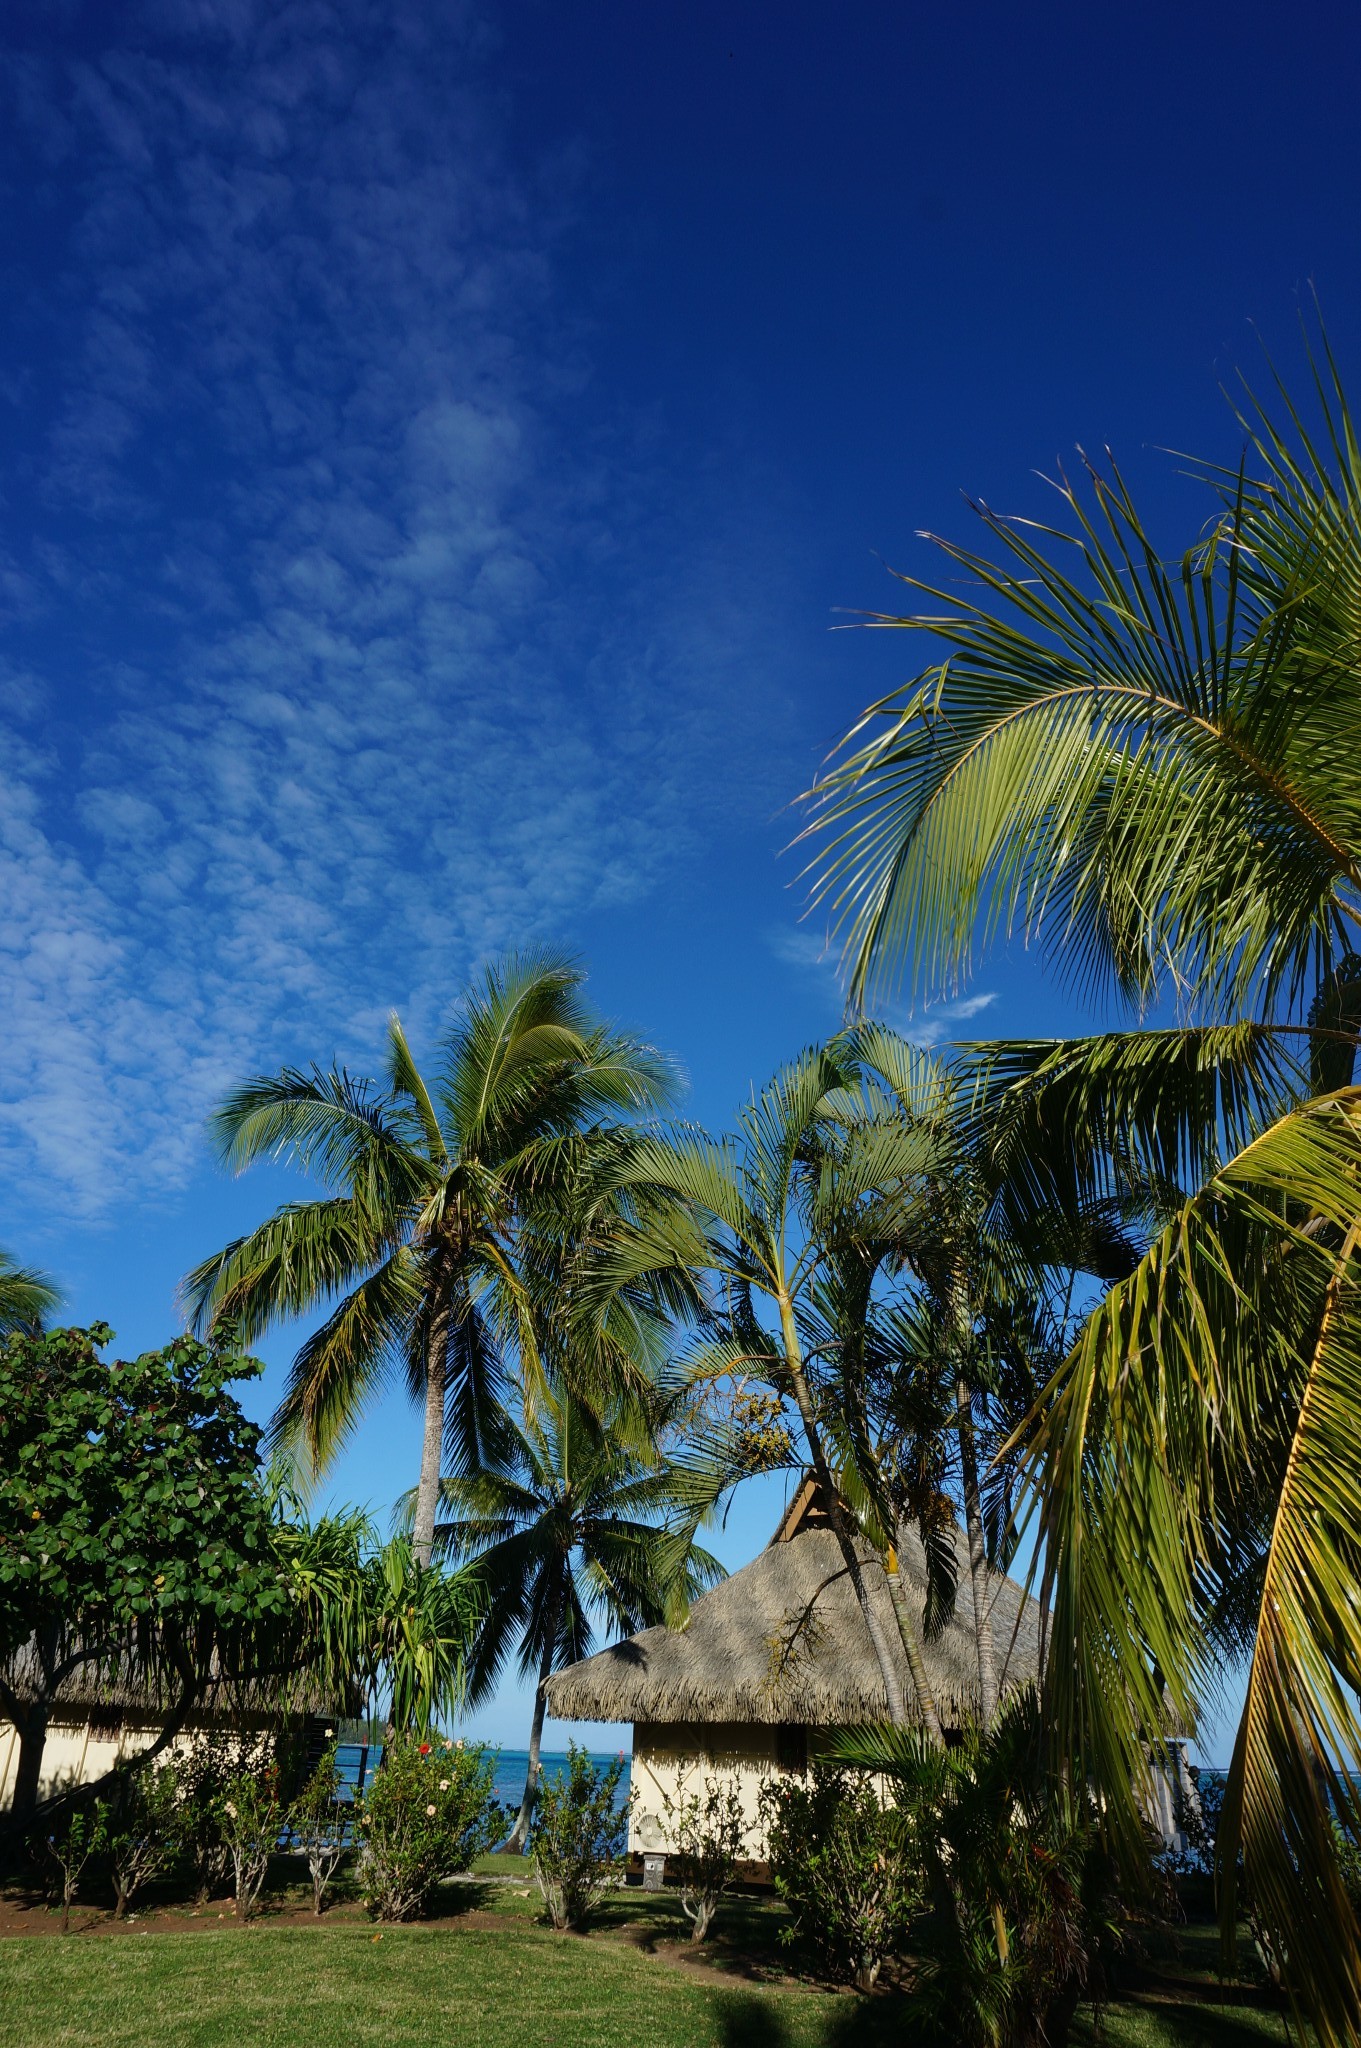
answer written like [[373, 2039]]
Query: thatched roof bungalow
[[772, 1660]]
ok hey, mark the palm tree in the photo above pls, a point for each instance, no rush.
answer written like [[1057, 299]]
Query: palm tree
[[941, 1317], [1153, 771], [428, 1183], [27, 1298], [572, 1520], [764, 1215]]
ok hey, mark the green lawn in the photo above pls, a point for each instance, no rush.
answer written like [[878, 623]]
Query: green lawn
[[463, 1982]]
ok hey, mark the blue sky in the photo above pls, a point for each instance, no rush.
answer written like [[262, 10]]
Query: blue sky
[[436, 443]]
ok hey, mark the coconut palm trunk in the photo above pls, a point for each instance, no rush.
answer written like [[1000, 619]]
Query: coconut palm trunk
[[518, 1838], [978, 1556], [836, 1515], [432, 1440], [913, 1647]]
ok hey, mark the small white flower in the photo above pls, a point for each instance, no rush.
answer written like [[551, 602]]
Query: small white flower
[[431, 1811], [330, 1731], [444, 1784], [230, 1810]]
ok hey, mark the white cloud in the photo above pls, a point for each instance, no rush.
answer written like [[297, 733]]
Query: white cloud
[[323, 724]]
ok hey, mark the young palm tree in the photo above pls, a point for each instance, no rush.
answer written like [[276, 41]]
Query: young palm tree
[[428, 1184], [27, 1298], [1154, 771], [571, 1521]]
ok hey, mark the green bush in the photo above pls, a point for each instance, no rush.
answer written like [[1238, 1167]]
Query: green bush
[[78, 1837], [427, 1813], [251, 1819], [577, 1837], [707, 1829], [143, 1832], [317, 1824], [205, 1766], [840, 1861]]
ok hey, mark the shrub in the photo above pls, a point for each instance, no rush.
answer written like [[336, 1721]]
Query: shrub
[[708, 1828], [428, 1812], [79, 1836], [577, 1837], [144, 1826], [205, 1766], [838, 1860], [251, 1820], [317, 1823]]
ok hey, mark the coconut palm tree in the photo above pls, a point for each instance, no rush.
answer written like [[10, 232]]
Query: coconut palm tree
[[762, 1215], [427, 1183], [27, 1298], [571, 1522], [1153, 772]]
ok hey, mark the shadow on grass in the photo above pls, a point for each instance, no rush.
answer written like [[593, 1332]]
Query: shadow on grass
[[748, 2021]]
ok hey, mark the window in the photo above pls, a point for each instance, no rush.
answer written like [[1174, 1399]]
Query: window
[[791, 1748]]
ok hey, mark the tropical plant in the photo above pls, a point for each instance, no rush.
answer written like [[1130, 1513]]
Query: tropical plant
[[27, 1298], [142, 1833], [840, 1859], [251, 1820], [1151, 770], [317, 1823], [427, 1184], [707, 1832], [577, 1837], [427, 1814], [579, 1520], [206, 1762], [1014, 1920]]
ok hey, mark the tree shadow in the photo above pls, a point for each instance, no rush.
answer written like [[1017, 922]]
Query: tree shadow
[[748, 2021]]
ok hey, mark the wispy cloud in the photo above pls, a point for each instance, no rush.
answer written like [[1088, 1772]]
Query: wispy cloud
[[312, 720]]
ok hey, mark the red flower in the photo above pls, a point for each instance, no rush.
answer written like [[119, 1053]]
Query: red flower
[[425, 1749]]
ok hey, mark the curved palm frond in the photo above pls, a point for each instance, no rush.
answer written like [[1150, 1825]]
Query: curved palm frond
[[27, 1298]]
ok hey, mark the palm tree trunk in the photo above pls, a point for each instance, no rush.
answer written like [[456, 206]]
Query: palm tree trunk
[[883, 1652], [519, 1834], [432, 1442], [978, 1556], [913, 1647]]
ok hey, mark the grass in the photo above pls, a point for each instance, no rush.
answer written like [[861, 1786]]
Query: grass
[[481, 1979]]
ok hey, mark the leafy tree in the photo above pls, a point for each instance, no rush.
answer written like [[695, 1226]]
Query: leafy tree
[[135, 1540], [427, 1183], [27, 1298], [1152, 771], [574, 1520]]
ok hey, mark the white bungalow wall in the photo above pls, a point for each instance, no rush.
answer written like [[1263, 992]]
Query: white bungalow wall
[[74, 1754]]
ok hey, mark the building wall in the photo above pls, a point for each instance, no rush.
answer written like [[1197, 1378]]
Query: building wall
[[671, 1758], [77, 1753]]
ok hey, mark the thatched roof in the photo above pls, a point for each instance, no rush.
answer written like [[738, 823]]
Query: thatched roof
[[100, 1692], [784, 1641]]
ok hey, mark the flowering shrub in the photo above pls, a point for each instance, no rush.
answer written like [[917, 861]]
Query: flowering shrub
[[205, 1766], [251, 1819], [428, 1812], [577, 1837], [837, 1858], [707, 1829]]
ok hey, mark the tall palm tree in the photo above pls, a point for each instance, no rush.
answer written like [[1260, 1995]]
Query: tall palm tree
[[762, 1214], [27, 1298], [571, 1521], [428, 1184], [1153, 771]]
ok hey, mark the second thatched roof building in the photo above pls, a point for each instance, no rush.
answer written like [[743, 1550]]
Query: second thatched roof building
[[770, 1662]]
